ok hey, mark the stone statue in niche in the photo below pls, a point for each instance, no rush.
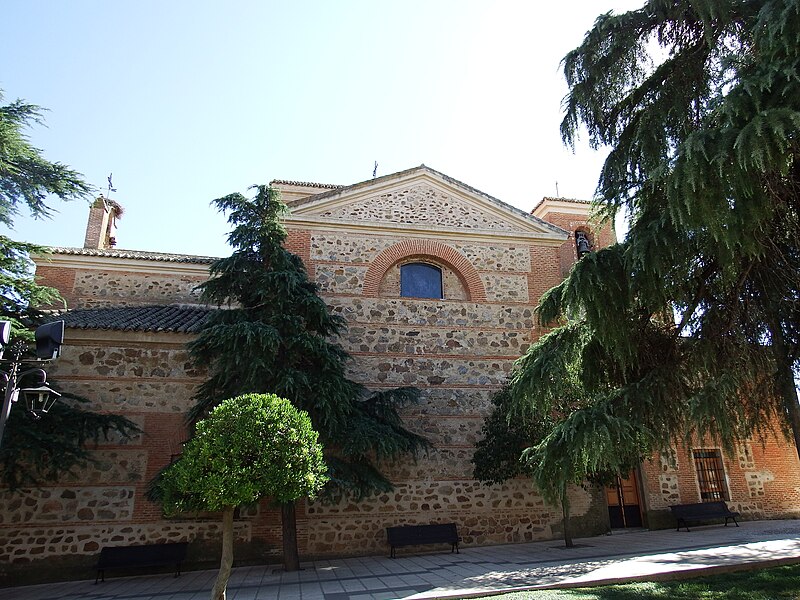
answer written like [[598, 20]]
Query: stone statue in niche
[[582, 243]]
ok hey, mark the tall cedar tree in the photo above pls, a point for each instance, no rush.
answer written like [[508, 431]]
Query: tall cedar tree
[[690, 326], [502, 452], [32, 450], [276, 335], [519, 442]]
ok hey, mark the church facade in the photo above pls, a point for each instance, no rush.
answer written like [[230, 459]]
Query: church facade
[[438, 283]]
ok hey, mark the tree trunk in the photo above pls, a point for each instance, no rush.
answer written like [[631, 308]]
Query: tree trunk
[[291, 560], [786, 385], [565, 518], [789, 397], [226, 562]]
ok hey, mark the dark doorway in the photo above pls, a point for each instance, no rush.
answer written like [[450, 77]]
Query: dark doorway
[[624, 508]]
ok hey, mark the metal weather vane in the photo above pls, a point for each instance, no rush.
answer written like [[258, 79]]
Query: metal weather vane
[[111, 187]]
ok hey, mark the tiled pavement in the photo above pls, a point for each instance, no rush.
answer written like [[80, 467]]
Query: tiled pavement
[[475, 571]]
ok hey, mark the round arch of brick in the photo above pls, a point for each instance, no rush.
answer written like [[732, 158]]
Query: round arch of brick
[[422, 248]]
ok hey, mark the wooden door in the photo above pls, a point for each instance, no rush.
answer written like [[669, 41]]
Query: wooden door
[[624, 508]]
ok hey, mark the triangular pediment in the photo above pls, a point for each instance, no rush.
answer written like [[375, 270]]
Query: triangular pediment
[[419, 198]]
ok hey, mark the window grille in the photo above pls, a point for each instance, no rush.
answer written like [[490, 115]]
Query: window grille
[[710, 475]]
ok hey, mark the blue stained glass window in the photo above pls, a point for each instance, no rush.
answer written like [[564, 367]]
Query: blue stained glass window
[[418, 280]]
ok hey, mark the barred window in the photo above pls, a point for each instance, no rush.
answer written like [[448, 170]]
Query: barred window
[[710, 475]]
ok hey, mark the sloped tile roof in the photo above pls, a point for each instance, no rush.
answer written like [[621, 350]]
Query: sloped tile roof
[[306, 184], [167, 318], [135, 254], [557, 199]]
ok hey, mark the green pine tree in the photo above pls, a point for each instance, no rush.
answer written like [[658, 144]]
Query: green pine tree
[[34, 451], [690, 326], [275, 334]]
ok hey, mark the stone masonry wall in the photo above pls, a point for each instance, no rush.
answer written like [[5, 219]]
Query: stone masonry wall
[[420, 204], [68, 521], [93, 287], [458, 352]]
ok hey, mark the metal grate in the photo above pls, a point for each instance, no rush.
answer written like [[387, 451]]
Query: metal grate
[[710, 475]]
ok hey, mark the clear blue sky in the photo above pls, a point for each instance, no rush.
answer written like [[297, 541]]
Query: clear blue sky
[[186, 101]]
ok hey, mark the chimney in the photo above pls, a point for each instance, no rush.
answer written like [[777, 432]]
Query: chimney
[[103, 215]]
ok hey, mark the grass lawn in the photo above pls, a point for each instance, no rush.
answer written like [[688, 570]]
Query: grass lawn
[[779, 583]]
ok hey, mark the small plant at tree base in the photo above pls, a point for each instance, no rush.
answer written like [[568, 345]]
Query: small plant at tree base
[[248, 447]]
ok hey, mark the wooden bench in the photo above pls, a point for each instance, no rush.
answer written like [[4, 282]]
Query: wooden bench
[[151, 555], [413, 535], [702, 511]]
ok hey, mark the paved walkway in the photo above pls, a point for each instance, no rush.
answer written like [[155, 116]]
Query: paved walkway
[[473, 572]]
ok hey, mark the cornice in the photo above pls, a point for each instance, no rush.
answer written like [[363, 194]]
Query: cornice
[[562, 206], [111, 263], [426, 231], [80, 337]]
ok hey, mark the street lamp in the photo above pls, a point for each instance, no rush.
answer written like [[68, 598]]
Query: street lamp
[[40, 399]]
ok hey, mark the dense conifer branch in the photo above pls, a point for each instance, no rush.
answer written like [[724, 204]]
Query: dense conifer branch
[[276, 335], [35, 451], [703, 159]]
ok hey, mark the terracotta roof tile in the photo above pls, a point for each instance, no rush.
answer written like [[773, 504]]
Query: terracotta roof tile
[[135, 254], [306, 184], [166, 318], [555, 199]]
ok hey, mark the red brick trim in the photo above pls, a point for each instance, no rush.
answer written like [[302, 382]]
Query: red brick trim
[[298, 241], [421, 248]]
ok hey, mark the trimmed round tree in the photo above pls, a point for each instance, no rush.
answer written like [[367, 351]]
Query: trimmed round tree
[[248, 447]]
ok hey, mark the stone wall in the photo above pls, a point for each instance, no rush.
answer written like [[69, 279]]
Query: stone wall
[[148, 378], [120, 282], [458, 352], [102, 288], [421, 204]]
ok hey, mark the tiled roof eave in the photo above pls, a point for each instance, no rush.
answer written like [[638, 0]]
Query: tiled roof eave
[[554, 199], [133, 255], [310, 184], [146, 319]]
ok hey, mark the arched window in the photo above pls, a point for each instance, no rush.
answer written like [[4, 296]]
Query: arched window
[[420, 280]]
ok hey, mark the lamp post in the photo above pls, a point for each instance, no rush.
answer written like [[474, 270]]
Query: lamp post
[[39, 399]]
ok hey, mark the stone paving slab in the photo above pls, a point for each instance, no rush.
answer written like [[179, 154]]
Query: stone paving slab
[[473, 572]]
